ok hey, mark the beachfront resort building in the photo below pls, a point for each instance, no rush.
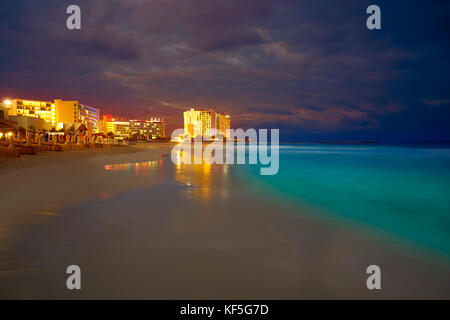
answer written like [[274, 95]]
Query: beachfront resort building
[[66, 114], [70, 113], [46, 115], [222, 125], [206, 124], [198, 123], [152, 129], [120, 128], [89, 116], [44, 110], [148, 129]]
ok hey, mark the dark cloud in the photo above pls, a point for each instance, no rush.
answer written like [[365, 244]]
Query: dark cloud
[[310, 68], [221, 25]]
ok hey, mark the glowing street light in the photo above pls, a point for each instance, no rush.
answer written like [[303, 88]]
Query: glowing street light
[[7, 102]]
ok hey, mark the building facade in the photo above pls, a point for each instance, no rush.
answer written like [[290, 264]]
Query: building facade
[[206, 124], [65, 113], [153, 129], [89, 116], [58, 114], [120, 128], [44, 110], [158, 129], [70, 113], [198, 123], [222, 125]]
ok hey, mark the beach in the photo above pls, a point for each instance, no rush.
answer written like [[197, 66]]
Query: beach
[[141, 227]]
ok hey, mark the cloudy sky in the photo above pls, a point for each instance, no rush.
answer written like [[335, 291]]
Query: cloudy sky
[[310, 68]]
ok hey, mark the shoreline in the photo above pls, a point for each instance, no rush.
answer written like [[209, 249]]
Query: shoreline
[[11, 163], [71, 177]]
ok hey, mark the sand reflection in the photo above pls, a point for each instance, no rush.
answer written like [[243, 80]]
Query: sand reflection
[[205, 180], [208, 181], [139, 168]]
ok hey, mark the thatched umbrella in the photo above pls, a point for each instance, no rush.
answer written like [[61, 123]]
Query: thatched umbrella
[[8, 128], [98, 137], [111, 136], [82, 130]]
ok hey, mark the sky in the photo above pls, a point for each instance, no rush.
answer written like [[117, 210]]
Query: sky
[[309, 68]]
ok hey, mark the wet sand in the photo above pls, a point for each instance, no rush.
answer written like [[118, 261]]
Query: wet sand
[[160, 231]]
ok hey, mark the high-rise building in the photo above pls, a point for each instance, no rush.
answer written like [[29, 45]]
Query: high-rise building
[[199, 123], [206, 124], [222, 125]]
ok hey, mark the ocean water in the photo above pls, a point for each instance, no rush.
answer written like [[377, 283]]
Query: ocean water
[[402, 190]]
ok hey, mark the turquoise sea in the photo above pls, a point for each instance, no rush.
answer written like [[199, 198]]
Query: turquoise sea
[[402, 190]]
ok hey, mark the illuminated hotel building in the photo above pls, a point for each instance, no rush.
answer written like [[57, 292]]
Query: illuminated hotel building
[[158, 128], [147, 129], [73, 112], [66, 112], [44, 110], [222, 125], [120, 128], [89, 116], [198, 123], [59, 114], [206, 124]]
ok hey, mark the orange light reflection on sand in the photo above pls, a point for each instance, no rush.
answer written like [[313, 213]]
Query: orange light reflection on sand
[[204, 177], [206, 180], [140, 168]]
